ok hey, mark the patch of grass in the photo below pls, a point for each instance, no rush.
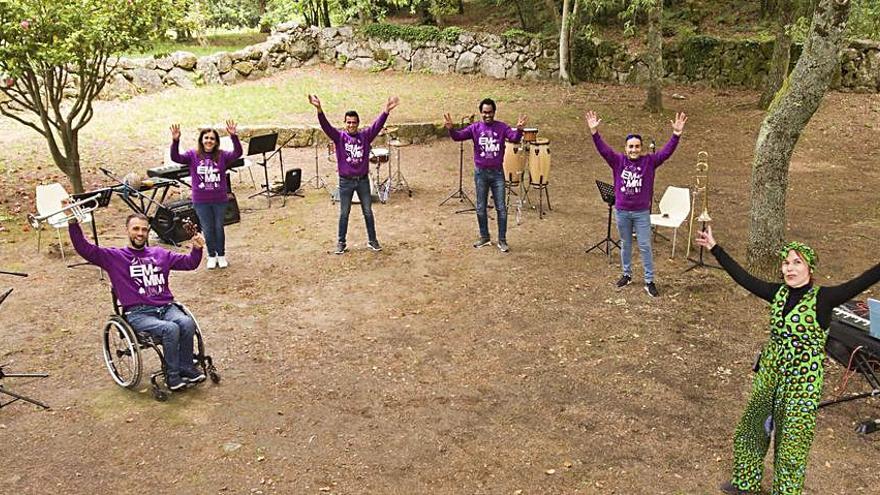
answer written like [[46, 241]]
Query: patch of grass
[[218, 42], [413, 34]]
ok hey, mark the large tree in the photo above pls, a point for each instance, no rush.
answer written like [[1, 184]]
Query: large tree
[[791, 110], [654, 56], [57, 55]]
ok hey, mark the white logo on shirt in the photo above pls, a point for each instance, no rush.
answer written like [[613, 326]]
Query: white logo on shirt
[[209, 173], [355, 152], [489, 144], [147, 276]]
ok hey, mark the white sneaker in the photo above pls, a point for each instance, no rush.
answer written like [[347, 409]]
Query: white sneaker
[[221, 262], [212, 263]]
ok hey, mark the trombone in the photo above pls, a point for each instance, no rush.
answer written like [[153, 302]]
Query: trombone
[[77, 210]]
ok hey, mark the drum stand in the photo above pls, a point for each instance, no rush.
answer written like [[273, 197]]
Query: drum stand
[[541, 187], [607, 244], [460, 194], [398, 181], [317, 179]]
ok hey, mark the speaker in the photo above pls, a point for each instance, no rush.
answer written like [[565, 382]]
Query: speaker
[[168, 221], [292, 181], [233, 214]]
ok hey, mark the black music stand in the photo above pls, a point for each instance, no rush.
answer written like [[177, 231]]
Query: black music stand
[[698, 262], [607, 244], [459, 193], [317, 179], [4, 391], [260, 145]]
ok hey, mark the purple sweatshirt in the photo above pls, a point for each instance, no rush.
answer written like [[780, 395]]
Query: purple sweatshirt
[[208, 177], [634, 180], [488, 141], [353, 152], [139, 276]]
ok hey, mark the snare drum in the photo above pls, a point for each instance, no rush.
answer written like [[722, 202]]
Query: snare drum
[[530, 134], [514, 163], [539, 162], [379, 155]]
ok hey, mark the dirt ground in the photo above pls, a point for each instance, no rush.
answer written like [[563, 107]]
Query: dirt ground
[[432, 367]]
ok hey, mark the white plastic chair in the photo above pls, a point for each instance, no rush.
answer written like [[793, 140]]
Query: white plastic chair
[[675, 205], [49, 199]]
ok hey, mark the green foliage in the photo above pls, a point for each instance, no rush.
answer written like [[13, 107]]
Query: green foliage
[[519, 33], [210, 44], [413, 34], [864, 19], [232, 13]]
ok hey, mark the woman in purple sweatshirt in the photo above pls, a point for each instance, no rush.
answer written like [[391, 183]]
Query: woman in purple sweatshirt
[[353, 164], [633, 193], [207, 172]]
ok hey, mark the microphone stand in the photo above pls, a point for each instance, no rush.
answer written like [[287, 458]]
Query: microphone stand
[[460, 194]]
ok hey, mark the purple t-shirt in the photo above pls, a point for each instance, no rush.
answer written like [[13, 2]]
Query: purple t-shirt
[[208, 178], [353, 151], [488, 141], [634, 179], [139, 276]]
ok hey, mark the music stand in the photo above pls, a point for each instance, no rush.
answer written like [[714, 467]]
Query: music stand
[[260, 145], [459, 193], [317, 179], [15, 396], [698, 262], [607, 244]]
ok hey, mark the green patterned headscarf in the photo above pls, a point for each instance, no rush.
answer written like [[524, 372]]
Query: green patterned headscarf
[[805, 251]]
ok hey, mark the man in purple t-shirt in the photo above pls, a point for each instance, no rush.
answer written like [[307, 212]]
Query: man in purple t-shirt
[[488, 136], [353, 163], [139, 275], [634, 192]]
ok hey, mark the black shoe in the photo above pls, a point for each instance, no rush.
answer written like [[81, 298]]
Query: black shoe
[[624, 281], [173, 382], [482, 241], [340, 248], [729, 488], [651, 289], [192, 375], [502, 245], [374, 245]]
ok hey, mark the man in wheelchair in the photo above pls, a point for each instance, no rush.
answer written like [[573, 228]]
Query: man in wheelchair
[[139, 276]]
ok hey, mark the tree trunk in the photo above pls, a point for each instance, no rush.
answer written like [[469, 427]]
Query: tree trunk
[[563, 42], [789, 113], [461, 6], [325, 13], [781, 54], [551, 6], [654, 100]]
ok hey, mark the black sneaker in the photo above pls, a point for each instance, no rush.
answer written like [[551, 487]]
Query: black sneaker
[[651, 289], [173, 382], [374, 245], [502, 245], [340, 248], [624, 281], [482, 241], [192, 375]]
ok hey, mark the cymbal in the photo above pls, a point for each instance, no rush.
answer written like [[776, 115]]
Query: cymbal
[[397, 143]]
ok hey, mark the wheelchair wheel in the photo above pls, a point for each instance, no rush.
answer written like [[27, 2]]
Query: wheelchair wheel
[[122, 353]]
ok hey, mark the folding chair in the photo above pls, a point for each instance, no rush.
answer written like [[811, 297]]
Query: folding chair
[[674, 208], [50, 199]]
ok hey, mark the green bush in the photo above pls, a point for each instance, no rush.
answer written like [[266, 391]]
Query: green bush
[[413, 34]]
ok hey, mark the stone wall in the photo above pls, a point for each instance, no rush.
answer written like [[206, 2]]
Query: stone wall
[[698, 59]]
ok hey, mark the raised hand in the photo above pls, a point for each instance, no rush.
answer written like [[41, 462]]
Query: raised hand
[[198, 240], [391, 104], [705, 238], [678, 123], [447, 121], [175, 132], [231, 128], [521, 122], [592, 121], [315, 102]]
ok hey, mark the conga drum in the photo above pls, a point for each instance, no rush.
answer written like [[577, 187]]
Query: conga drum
[[514, 163], [530, 134], [539, 162]]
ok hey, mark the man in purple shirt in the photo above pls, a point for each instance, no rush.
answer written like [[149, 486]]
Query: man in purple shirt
[[633, 193], [488, 136], [139, 275], [353, 165]]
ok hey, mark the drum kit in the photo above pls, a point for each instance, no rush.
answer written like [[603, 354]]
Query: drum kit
[[531, 155], [380, 159]]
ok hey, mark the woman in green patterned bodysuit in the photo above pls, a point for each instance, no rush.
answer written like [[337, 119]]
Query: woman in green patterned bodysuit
[[788, 385]]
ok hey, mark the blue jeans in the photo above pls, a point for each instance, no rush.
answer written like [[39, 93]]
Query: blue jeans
[[484, 180], [347, 187], [174, 327], [640, 221], [211, 217]]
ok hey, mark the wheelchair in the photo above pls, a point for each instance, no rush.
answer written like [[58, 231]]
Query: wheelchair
[[123, 346]]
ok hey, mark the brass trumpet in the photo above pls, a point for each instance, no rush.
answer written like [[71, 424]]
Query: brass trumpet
[[77, 210]]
